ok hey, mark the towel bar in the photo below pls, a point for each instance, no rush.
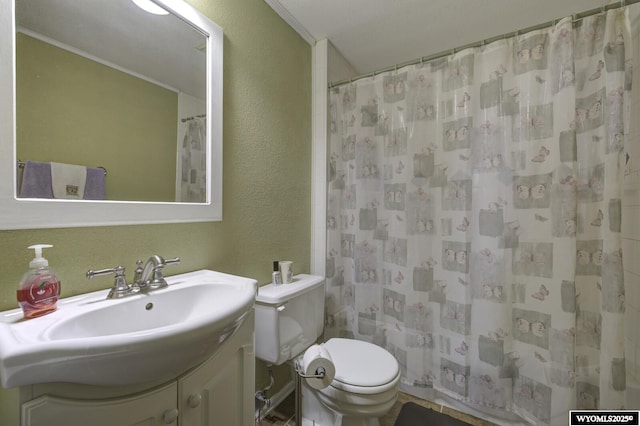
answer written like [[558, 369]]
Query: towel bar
[[22, 163]]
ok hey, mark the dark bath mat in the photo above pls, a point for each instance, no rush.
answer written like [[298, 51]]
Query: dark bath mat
[[412, 414]]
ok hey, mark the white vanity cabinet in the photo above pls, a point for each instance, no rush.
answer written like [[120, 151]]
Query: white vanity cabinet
[[218, 392], [156, 407], [221, 391]]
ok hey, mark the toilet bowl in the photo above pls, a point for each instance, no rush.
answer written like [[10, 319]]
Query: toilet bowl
[[289, 318], [365, 386]]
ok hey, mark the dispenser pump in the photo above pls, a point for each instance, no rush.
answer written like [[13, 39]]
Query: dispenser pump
[[39, 261]]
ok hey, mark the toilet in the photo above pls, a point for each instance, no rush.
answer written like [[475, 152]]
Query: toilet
[[289, 319]]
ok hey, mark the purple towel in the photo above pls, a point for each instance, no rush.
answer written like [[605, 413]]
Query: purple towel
[[36, 180], [94, 188]]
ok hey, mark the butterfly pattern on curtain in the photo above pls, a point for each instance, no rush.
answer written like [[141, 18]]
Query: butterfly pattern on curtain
[[474, 219]]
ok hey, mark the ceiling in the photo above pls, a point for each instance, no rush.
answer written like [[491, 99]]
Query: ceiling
[[163, 49], [375, 34], [369, 34]]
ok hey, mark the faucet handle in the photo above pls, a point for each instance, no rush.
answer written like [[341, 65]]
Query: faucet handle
[[172, 261], [120, 287], [158, 278], [100, 272]]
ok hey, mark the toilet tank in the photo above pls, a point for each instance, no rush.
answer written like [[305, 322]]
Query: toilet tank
[[289, 318]]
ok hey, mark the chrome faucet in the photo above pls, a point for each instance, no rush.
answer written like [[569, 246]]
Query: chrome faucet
[[146, 278]]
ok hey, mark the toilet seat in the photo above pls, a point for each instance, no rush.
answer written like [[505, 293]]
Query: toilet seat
[[362, 367]]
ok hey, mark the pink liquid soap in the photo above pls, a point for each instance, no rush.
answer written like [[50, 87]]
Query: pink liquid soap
[[40, 296]]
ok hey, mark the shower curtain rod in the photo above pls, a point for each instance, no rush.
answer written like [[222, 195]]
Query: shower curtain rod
[[575, 17]]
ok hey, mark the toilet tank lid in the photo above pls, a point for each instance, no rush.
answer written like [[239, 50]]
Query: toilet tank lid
[[272, 294]]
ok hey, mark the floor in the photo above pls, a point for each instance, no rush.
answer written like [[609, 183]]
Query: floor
[[283, 414]]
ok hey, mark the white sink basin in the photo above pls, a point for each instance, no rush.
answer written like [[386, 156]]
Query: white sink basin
[[137, 339]]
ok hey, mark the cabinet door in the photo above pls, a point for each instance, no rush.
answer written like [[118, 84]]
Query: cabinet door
[[220, 392], [157, 407]]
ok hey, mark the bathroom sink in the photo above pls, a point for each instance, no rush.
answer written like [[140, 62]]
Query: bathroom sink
[[143, 338]]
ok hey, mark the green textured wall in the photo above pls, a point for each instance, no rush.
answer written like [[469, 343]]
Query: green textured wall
[[267, 173], [71, 109]]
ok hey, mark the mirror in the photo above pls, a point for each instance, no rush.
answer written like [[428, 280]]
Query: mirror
[[96, 79], [159, 97]]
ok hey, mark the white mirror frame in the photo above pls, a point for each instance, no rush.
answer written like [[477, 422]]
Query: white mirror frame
[[21, 213]]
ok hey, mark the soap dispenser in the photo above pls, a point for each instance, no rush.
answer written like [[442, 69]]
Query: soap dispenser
[[39, 288]]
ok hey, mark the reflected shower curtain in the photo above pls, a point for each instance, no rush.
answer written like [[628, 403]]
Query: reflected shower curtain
[[193, 162], [474, 215]]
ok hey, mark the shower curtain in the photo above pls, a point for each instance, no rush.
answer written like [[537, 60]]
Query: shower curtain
[[193, 162], [474, 215]]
